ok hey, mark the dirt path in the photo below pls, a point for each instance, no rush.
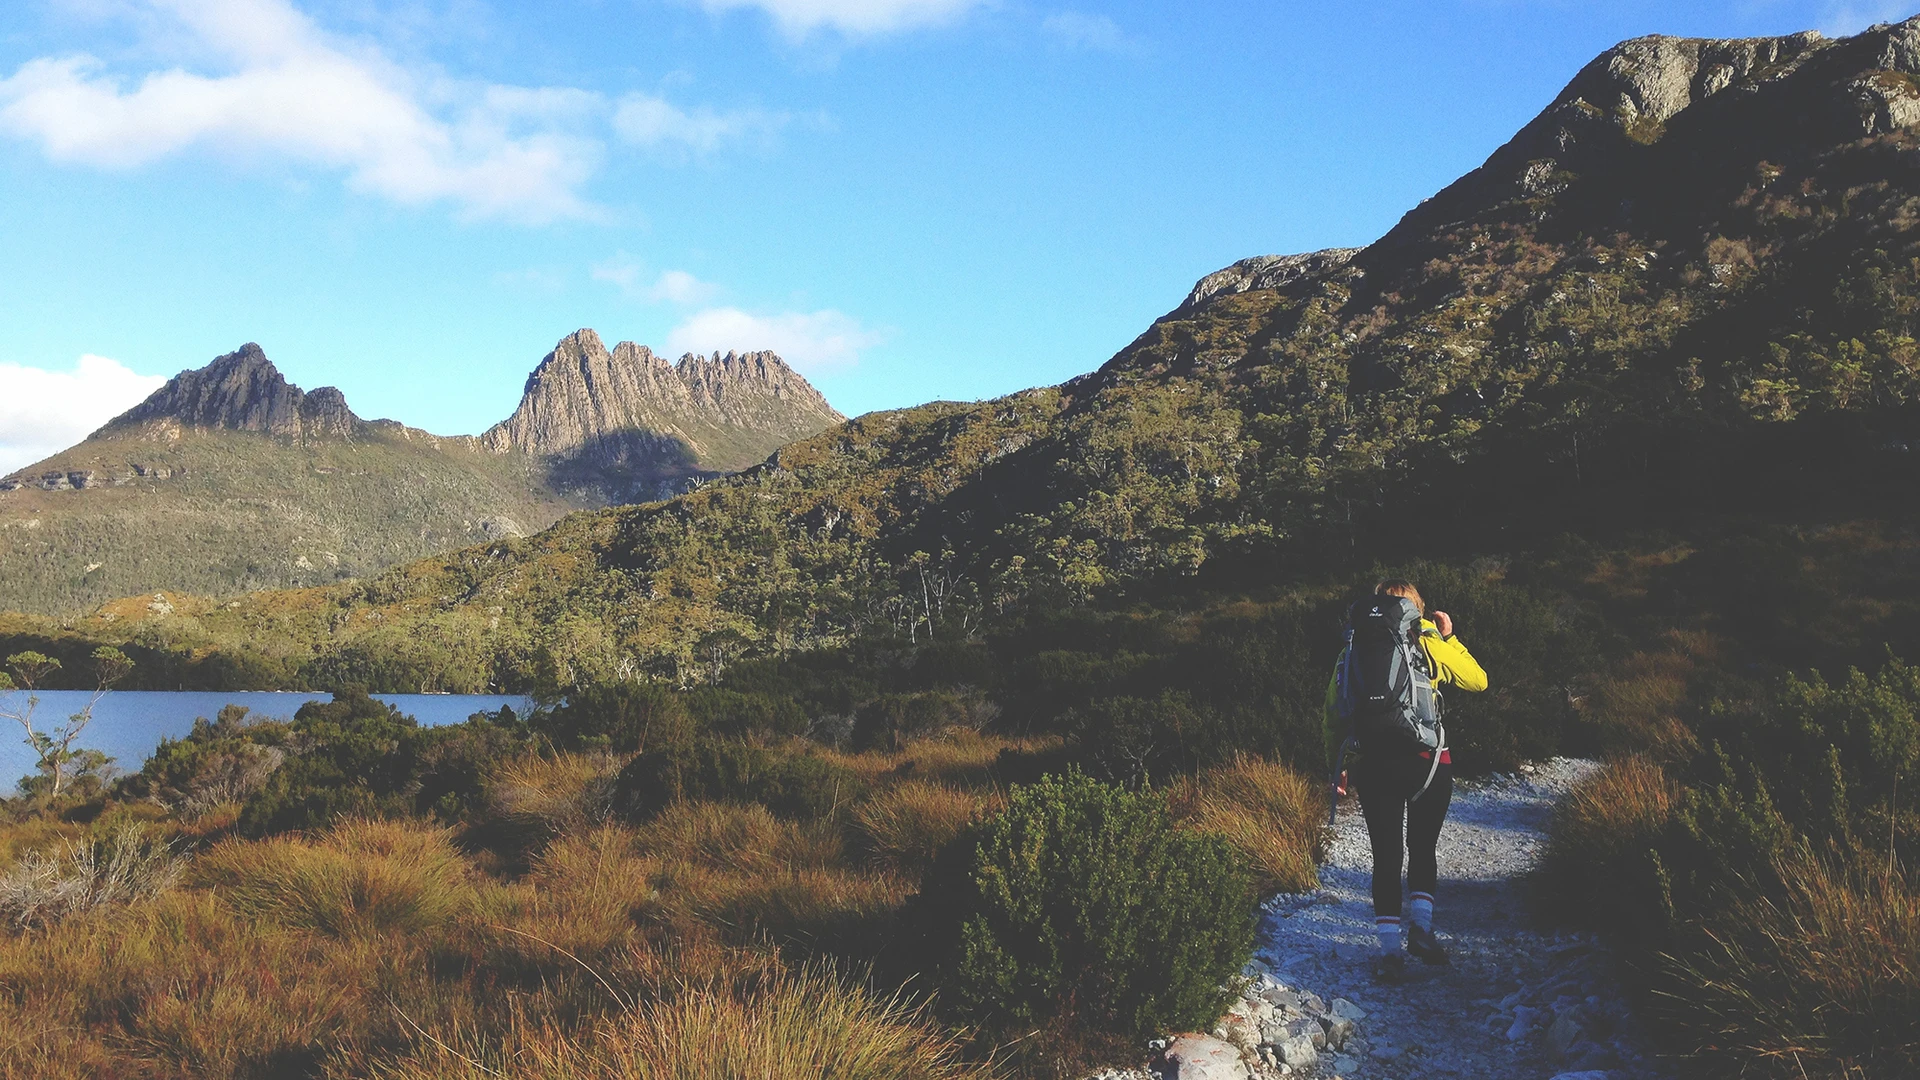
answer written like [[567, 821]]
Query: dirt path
[[1517, 1002]]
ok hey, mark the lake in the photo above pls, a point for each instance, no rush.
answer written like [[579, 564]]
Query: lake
[[129, 724]]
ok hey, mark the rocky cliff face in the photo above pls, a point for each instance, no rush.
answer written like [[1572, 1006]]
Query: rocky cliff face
[[243, 391], [628, 419], [1802, 88]]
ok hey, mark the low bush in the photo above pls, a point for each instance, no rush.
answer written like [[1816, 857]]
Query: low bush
[[1272, 815], [790, 783], [126, 865], [623, 717], [1081, 901]]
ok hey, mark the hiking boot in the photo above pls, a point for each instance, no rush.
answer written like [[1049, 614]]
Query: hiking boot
[[1422, 943], [1390, 969]]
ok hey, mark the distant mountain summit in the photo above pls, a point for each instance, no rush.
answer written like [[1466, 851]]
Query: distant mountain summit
[[242, 391], [631, 424], [230, 478]]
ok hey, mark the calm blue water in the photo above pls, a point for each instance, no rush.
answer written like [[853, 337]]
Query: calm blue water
[[128, 724]]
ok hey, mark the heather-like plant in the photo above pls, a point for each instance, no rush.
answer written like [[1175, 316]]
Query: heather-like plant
[[1082, 901]]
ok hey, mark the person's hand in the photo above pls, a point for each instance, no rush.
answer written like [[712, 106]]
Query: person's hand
[[1340, 788], [1443, 623]]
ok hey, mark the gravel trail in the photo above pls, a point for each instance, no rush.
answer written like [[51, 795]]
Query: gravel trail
[[1518, 1001]]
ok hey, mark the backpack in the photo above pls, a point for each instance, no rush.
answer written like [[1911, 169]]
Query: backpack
[[1385, 693]]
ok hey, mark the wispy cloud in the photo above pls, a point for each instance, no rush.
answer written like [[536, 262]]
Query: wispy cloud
[[277, 84], [654, 122], [43, 412], [798, 18], [810, 341], [669, 287], [1096, 33]]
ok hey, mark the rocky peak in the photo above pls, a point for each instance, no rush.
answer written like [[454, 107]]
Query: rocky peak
[[724, 412], [1629, 98], [243, 391]]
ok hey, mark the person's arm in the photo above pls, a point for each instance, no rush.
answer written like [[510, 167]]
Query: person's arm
[[1452, 663]]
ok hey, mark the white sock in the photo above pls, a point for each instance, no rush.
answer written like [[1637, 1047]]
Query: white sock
[[1420, 912], [1388, 927]]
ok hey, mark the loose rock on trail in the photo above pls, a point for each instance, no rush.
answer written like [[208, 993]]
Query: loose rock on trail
[[1518, 1002]]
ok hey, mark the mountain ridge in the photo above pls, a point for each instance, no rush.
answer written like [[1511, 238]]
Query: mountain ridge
[[1708, 307], [230, 478]]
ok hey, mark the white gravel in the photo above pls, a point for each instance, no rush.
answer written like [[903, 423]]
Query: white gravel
[[1491, 1013]]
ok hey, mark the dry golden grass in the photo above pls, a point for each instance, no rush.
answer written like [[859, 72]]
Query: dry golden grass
[[734, 837], [960, 759], [539, 797], [1271, 814], [903, 828], [1598, 865], [360, 877], [180, 988], [1635, 707], [793, 1026], [1823, 982]]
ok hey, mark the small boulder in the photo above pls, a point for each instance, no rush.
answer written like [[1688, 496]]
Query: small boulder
[[1347, 1010], [1566, 1031], [1201, 1057]]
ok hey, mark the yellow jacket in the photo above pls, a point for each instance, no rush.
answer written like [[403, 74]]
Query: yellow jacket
[[1451, 663]]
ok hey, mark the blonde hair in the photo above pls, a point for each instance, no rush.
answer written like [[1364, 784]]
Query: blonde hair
[[1403, 589]]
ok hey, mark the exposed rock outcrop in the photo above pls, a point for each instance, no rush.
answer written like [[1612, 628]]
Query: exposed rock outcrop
[[632, 413], [1628, 97], [243, 391], [1266, 272]]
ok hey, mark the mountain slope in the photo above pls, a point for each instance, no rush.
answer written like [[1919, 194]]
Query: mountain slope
[[229, 479], [1690, 287]]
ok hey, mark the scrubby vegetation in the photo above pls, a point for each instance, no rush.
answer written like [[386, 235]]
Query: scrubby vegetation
[[1753, 845], [350, 895]]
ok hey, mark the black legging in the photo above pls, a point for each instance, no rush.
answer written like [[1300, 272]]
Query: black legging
[[1384, 788]]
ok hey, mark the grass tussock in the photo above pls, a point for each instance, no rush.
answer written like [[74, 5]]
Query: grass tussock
[[85, 875], [1600, 865], [902, 829], [361, 877], [1821, 982], [798, 1025], [537, 797], [1270, 813]]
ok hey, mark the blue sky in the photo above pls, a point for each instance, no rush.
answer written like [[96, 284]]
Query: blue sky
[[911, 199]]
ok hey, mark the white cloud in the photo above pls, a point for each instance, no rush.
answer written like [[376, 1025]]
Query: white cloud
[[810, 341], [656, 123], [283, 87], [671, 287], [854, 17], [43, 412], [1094, 32]]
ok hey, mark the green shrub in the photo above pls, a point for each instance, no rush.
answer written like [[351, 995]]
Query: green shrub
[[1134, 740], [744, 715], [890, 721], [352, 756], [789, 783], [1081, 902], [622, 717]]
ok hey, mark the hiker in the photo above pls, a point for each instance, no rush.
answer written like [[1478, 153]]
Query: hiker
[[1384, 724]]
